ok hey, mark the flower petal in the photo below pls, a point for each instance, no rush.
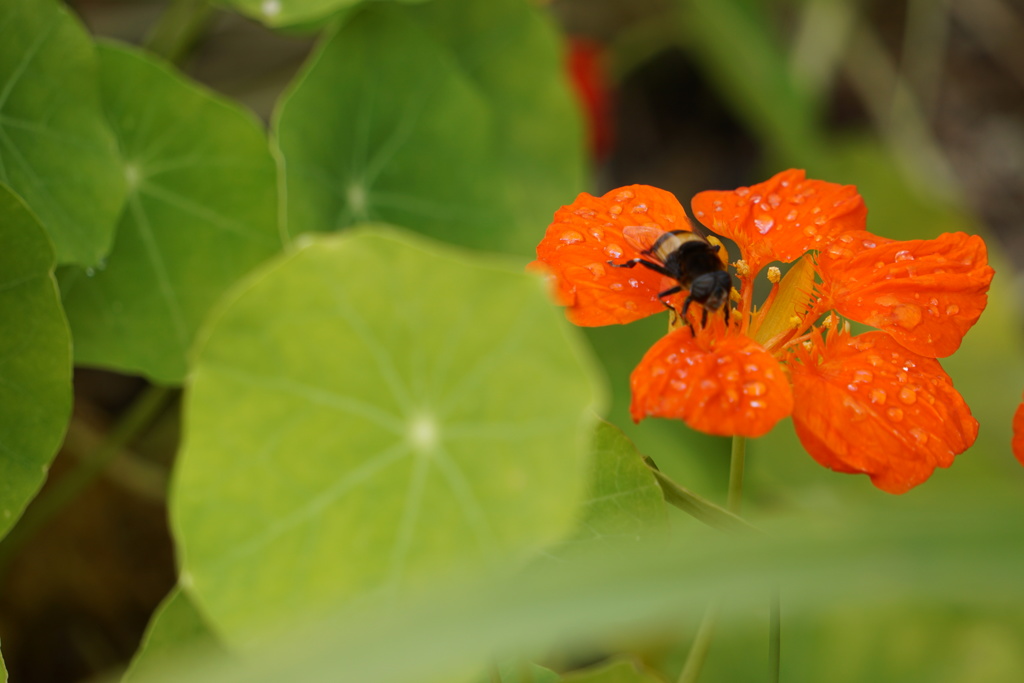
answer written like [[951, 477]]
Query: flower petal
[[587, 234], [926, 293], [1018, 434], [867, 405], [781, 218], [726, 385]]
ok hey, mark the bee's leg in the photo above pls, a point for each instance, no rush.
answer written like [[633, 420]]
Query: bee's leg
[[650, 265], [704, 317], [686, 307], [728, 307]]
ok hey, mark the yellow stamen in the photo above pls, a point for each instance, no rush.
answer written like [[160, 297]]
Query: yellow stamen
[[742, 268], [774, 274]]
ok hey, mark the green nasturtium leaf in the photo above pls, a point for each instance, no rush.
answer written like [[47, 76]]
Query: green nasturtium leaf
[[624, 501], [366, 413], [56, 150], [176, 629], [452, 118], [201, 212], [35, 358]]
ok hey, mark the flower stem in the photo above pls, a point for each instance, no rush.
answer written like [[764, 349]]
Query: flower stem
[[736, 462], [774, 637], [701, 645], [702, 642]]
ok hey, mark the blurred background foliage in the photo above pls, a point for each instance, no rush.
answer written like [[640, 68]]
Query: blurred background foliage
[[920, 103]]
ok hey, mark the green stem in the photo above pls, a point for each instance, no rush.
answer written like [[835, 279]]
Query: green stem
[[64, 490], [698, 506], [774, 637], [178, 28], [701, 645], [739, 449]]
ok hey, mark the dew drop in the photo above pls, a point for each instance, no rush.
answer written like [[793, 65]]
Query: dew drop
[[615, 210], [718, 203], [571, 237], [616, 286], [751, 367], [791, 216], [907, 316], [919, 435], [700, 214], [774, 199], [754, 389], [613, 250], [677, 385], [633, 282], [763, 223], [908, 395], [904, 256], [868, 244], [846, 238], [585, 212], [952, 309], [630, 305], [639, 208], [731, 376], [597, 270], [820, 220], [742, 191], [755, 199], [708, 385], [816, 210], [895, 414], [878, 396], [756, 404], [624, 195], [672, 358], [862, 376], [597, 233]]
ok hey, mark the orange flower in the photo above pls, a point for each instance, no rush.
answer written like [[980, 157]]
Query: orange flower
[[878, 403], [1018, 434]]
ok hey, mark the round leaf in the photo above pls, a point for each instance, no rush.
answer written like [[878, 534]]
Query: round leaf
[[55, 148], [201, 213], [401, 117], [369, 412], [35, 358]]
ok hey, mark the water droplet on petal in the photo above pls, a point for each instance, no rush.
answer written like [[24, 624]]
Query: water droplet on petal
[[754, 389], [862, 376], [907, 316], [763, 223], [615, 210], [904, 256], [624, 195], [895, 414], [585, 212], [633, 282], [597, 233], [613, 250], [639, 208], [616, 286], [868, 244], [708, 385], [743, 191], [908, 395], [878, 396], [751, 367], [920, 435], [876, 361], [630, 305], [597, 269], [952, 309], [677, 385], [774, 199], [571, 237]]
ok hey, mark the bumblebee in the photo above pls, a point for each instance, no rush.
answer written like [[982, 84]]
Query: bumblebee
[[689, 259]]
